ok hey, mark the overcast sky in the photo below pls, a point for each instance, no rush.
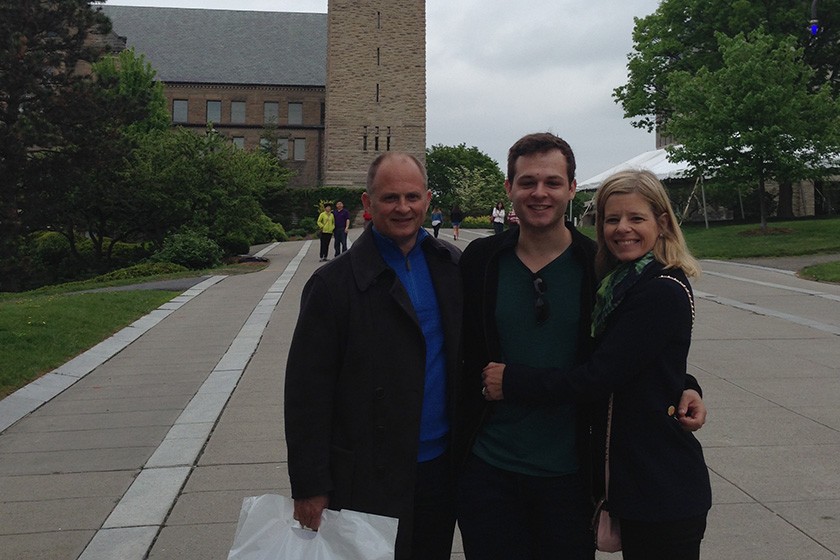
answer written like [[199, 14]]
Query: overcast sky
[[499, 69]]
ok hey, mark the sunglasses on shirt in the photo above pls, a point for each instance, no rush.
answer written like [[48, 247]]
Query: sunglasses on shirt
[[541, 309]]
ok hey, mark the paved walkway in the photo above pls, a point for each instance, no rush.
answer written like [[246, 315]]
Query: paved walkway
[[144, 446]]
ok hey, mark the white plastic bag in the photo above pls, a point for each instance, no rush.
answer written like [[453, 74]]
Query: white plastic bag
[[267, 531]]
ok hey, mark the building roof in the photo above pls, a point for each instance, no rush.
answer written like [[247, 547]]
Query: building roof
[[655, 161], [227, 46]]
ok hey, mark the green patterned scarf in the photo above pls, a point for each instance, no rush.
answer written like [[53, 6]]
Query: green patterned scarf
[[613, 288]]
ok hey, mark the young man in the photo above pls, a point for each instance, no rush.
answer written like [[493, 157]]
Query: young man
[[526, 489], [368, 416]]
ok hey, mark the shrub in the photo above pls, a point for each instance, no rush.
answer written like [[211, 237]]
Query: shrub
[[50, 248], [270, 231], [476, 222], [298, 232], [233, 244], [290, 206], [50, 260], [142, 270], [308, 224], [126, 254], [190, 249], [84, 247]]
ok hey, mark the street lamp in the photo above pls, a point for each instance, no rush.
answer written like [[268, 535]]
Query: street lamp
[[814, 25]]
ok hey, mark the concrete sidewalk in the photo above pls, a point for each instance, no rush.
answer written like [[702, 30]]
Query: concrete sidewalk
[[145, 446]]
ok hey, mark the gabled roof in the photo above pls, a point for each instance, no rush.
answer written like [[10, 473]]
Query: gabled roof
[[227, 46], [655, 161]]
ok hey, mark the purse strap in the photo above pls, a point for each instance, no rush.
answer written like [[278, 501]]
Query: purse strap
[[687, 292], [607, 450]]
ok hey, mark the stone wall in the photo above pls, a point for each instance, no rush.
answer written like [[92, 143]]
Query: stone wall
[[376, 84]]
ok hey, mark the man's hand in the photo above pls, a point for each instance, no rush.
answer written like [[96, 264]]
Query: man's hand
[[308, 511], [492, 375], [691, 413]]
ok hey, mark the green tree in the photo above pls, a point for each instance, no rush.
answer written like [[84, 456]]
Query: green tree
[[187, 181], [680, 37], [129, 86], [79, 189], [45, 44], [442, 163], [477, 189], [756, 117]]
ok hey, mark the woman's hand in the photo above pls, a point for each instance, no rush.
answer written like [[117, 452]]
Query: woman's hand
[[492, 374]]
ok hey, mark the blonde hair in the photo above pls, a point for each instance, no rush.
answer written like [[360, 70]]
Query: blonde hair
[[670, 248]]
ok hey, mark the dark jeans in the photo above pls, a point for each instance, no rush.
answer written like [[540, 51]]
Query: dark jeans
[[437, 229], [325, 245], [340, 241], [509, 516], [498, 228], [434, 510], [673, 540]]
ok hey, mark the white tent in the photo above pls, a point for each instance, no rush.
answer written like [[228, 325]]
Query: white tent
[[655, 161]]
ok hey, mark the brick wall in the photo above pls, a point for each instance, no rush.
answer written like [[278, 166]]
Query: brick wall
[[309, 170]]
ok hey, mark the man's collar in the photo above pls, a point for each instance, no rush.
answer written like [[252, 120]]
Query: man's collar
[[386, 242]]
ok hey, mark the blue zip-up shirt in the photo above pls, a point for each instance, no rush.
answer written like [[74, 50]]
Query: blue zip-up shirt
[[413, 272]]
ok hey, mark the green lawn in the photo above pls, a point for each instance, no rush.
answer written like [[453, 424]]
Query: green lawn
[[800, 237], [828, 272], [39, 332], [782, 239], [42, 329]]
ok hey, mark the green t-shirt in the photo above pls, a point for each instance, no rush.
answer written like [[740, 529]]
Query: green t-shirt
[[536, 440]]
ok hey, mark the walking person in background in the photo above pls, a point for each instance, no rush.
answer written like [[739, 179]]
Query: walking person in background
[[456, 216], [326, 226], [513, 219], [368, 415], [437, 220], [498, 218], [342, 225], [642, 321]]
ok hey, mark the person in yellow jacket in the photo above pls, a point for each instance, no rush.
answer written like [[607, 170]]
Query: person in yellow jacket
[[326, 225]]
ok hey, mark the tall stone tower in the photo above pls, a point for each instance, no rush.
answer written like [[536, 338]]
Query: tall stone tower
[[376, 84]]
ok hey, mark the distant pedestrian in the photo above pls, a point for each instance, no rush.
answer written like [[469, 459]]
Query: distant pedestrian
[[498, 217], [342, 224], [326, 226], [456, 215], [437, 220], [513, 219]]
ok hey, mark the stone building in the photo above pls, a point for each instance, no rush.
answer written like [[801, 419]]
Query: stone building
[[327, 92], [376, 84]]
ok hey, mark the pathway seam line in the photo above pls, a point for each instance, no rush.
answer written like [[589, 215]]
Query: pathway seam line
[[151, 496]]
